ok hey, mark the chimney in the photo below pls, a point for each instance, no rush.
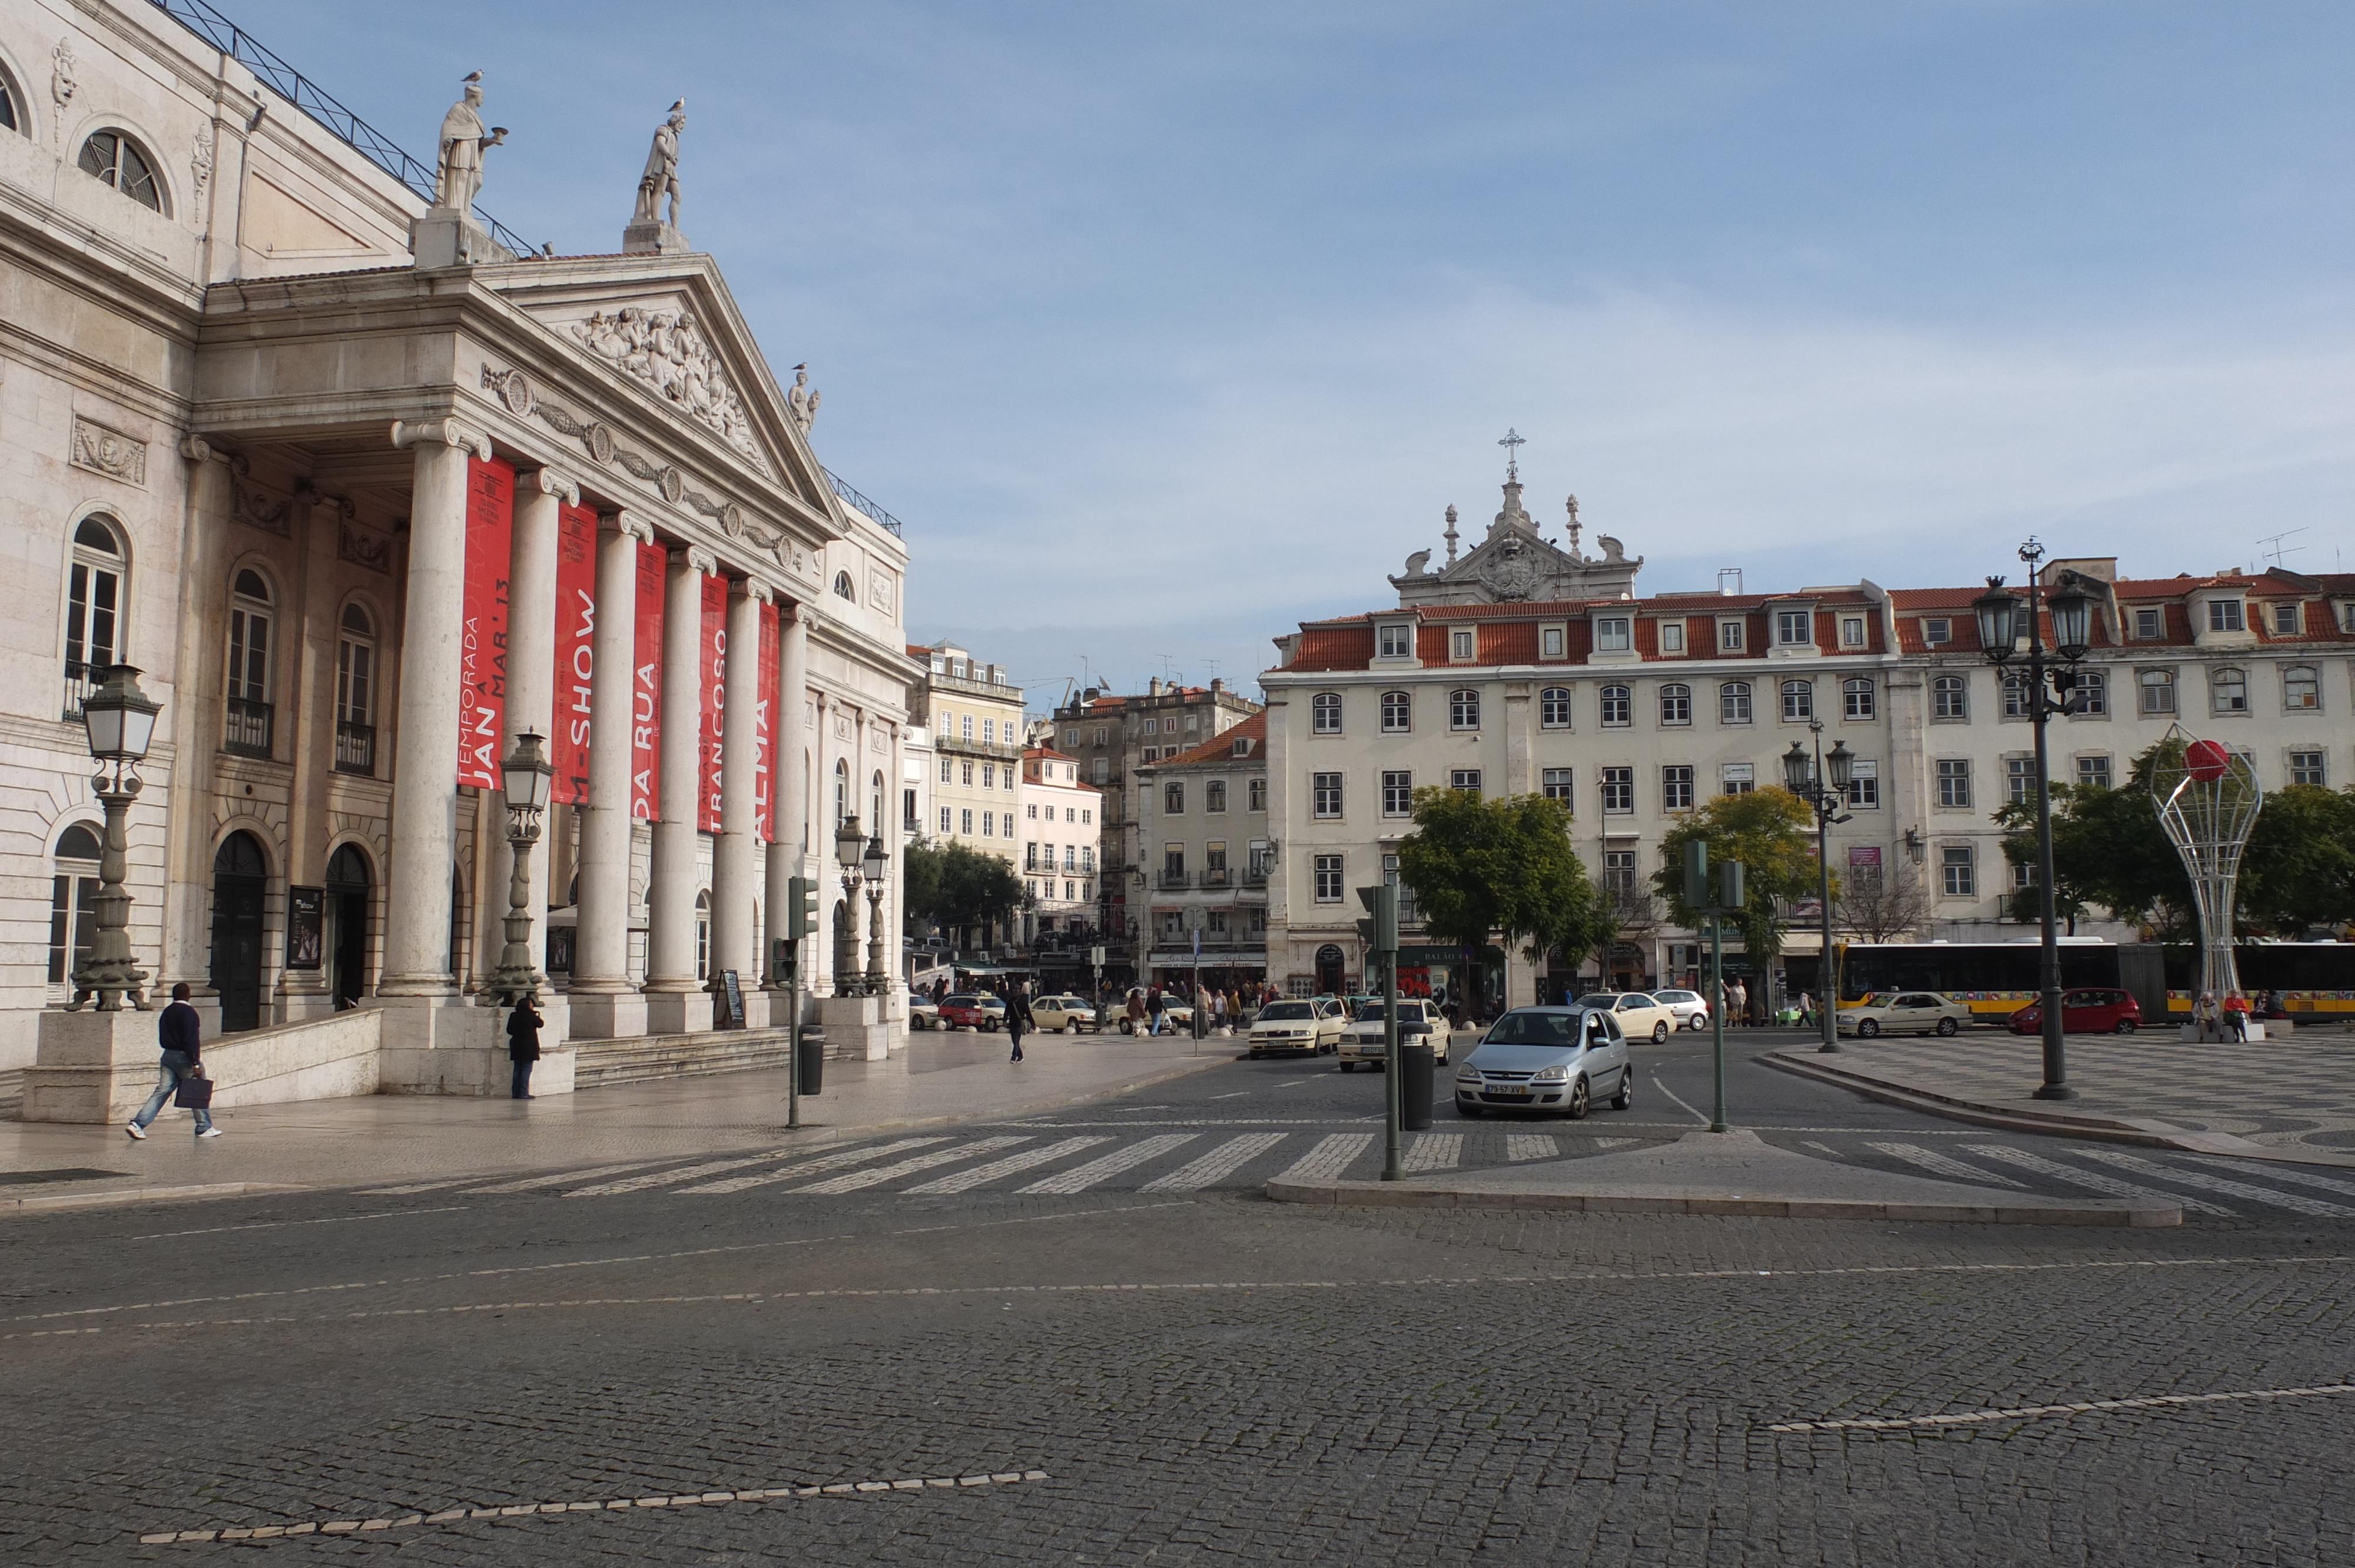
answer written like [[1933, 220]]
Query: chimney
[[1153, 687], [1217, 684]]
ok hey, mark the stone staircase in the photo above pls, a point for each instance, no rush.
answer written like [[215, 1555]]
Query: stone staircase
[[601, 1063]]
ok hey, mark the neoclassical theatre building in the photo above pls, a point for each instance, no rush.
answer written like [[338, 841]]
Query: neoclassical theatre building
[[366, 489]]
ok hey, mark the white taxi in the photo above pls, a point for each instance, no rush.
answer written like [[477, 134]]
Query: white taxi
[[1640, 1014], [1418, 1023], [1063, 1014], [1313, 1024]]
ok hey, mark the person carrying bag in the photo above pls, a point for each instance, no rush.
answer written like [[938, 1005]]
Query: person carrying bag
[[180, 1077]]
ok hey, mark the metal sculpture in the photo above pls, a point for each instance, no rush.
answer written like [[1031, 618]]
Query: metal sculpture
[[2208, 797]]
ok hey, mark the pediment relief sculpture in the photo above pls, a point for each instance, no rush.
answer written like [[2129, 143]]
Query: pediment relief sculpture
[[666, 350]]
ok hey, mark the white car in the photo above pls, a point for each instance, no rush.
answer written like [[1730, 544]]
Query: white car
[[1313, 1024], [1417, 1020], [1904, 1012], [1639, 1014], [921, 1013], [1692, 1008], [1063, 1014]]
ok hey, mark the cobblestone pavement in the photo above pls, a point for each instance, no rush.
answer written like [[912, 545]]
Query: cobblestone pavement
[[1022, 1364]]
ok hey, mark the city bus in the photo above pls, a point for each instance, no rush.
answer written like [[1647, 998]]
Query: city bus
[[1996, 980]]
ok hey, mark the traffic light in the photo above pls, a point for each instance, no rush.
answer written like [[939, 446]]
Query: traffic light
[[783, 963], [801, 907], [1381, 931]]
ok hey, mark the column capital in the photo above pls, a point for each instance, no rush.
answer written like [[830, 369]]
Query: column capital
[[441, 433], [626, 522], [697, 558], [197, 449], [756, 590], [556, 482]]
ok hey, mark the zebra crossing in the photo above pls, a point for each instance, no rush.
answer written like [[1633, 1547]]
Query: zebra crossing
[[1040, 1161]]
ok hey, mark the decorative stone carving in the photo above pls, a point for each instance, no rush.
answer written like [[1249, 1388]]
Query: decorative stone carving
[[109, 452], [63, 85], [1416, 563], [1512, 574], [802, 402], [878, 591], [200, 161], [458, 175], [665, 350], [363, 547]]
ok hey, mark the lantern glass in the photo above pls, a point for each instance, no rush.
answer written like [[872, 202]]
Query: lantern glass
[[878, 858], [118, 717], [849, 844], [2072, 621], [526, 774], [1796, 769], [1999, 625], [1841, 766]]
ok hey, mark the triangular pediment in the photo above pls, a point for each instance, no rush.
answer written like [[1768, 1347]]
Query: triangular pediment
[[1516, 564], [668, 326]]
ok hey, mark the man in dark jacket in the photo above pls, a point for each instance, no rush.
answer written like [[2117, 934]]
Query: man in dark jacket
[[176, 1030], [522, 1048], [1018, 1021]]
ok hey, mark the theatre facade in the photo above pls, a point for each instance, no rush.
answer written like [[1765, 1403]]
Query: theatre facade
[[365, 491]]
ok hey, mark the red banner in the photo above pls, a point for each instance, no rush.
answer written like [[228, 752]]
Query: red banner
[[576, 651], [712, 659], [766, 720], [646, 686], [483, 630]]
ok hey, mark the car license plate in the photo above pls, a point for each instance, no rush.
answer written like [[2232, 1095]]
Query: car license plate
[[1508, 1091]]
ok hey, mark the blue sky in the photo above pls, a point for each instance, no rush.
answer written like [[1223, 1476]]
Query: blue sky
[[1166, 326]]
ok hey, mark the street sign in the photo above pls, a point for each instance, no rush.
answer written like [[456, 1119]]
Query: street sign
[[1096, 957]]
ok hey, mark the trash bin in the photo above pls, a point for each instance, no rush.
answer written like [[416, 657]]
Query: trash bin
[[809, 1060], [1414, 1087]]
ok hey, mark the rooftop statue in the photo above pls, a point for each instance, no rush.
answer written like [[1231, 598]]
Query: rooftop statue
[[458, 175], [661, 178]]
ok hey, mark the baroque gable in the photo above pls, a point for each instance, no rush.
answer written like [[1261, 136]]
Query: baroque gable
[[1516, 564]]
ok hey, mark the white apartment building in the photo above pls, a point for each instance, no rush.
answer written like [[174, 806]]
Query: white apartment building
[[1061, 819], [1633, 710]]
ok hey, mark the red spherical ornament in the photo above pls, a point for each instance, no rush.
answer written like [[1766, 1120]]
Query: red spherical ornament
[[2207, 761]]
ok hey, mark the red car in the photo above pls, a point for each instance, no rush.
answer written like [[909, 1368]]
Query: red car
[[973, 1009], [2085, 1011]]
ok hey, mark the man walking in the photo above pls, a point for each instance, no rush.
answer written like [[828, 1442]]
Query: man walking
[[176, 1030], [522, 1048], [1018, 1016], [1153, 1006]]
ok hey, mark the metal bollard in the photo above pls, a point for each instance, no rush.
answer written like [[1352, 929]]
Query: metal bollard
[[1415, 1067]]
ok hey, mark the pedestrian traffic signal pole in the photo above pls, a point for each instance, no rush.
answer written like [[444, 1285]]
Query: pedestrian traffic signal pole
[[1727, 897], [801, 919], [1381, 902]]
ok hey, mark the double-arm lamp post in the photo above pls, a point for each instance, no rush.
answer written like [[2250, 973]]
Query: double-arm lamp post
[[120, 720], [850, 852], [524, 782], [1822, 782], [875, 864], [2049, 686]]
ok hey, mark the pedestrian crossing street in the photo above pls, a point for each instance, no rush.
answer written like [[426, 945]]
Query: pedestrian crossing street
[[1065, 1161]]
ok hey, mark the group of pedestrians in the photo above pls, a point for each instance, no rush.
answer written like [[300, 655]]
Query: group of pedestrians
[[2213, 1020]]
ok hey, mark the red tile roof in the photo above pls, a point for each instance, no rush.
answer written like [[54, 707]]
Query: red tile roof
[[1221, 747]]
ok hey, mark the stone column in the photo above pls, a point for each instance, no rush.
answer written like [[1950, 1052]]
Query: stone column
[[734, 876], [605, 1005], [788, 790], [417, 925], [675, 1001], [191, 718], [532, 681]]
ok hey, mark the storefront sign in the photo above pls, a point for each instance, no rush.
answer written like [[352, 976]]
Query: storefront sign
[[712, 657], [483, 623], [576, 652], [645, 687], [306, 926]]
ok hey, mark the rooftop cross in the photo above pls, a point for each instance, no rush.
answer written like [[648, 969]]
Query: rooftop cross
[[1513, 442]]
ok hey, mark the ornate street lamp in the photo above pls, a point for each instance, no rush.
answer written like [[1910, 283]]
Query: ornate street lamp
[[877, 861], [1822, 782], [524, 782], [120, 720], [2050, 687], [849, 850]]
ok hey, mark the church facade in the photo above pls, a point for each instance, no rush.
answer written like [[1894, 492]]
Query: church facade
[[366, 489]]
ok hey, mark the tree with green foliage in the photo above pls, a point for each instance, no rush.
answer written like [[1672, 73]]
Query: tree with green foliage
[[2299, 871], [1772, 832], [1501, 870], [958, 887]]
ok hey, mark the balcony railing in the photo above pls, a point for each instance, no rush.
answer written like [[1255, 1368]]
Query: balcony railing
[[1215, 877], [246, 727], [1171, 879], [356, 748], [1255, 877], [81, 679]]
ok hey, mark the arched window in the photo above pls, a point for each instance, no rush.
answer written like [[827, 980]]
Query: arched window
[[1553, 708], [1675, 703], [11, 117], [842, 585], [2229, 691], [703, 936], [94, 600], [841, 793], [116, 160], [1857, 699], [1734, 703], [2301, 692], [1398, 713], [355, 693], [874, 805], [1950, 698], [73, 892], [1798, 701], [1463, 708], [246, 726], [1618, 707], [1325, 709]]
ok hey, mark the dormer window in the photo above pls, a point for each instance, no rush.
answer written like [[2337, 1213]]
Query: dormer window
[[1852, 631], [1672, 637], [1728, 636], [1554, 643], [1461, 645], [2285, 619], [1396, 642], [1793, 628], [1613, 634], [2225, 615], [2150, 624], [1937, 632]]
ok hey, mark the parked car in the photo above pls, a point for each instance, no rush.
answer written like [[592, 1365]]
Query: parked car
[[1313, 1024], [973, 1009], [1174, 1015], [1638, 1014], [1063, 1014], [1558, 1059], [1904, 1013], [921, 1013], [1689, 1007], [1417, 1020], [2085, 1011]]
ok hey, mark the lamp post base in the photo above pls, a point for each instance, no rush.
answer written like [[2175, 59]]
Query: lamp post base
[[2054, 1091]]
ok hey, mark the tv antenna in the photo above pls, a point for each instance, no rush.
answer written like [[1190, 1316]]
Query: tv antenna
[[2275, 540]]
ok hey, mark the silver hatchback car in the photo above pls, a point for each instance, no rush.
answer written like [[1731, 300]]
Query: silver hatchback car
[[1559, 1059]]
